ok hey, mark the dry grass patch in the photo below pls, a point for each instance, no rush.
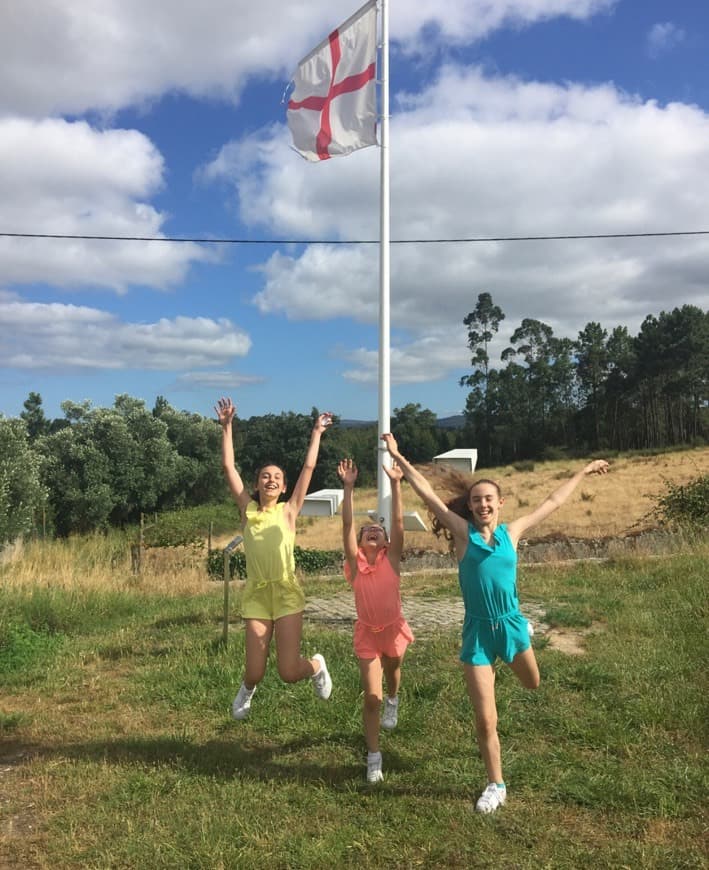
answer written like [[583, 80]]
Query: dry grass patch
[[600, 507], [99, 563]]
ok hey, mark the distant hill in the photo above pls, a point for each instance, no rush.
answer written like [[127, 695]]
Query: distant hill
[[455, 422], [356, 424]]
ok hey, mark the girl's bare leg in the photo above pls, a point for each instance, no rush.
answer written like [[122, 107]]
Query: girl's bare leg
[[480, 681], [292, 667], [371, 673], [392, 674], [525, 667], [258, 640]]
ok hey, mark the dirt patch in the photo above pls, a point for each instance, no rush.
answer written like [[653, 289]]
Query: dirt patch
[[571, 640], [19, 825]]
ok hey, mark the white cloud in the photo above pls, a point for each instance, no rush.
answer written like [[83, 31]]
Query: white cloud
[[476, 156], [224, 381], [663, 37], [429, 358], [346, 281], [60, 177], [108, 54], [65, 338]]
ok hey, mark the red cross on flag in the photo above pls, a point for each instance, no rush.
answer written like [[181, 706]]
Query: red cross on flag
[[332, 109]]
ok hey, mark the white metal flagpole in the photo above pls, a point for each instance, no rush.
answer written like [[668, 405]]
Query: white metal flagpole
[[383, 482]]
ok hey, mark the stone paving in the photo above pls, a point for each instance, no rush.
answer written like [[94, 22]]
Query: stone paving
[[425, 614]]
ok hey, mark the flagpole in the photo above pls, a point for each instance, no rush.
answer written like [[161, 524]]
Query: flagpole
[[383, 482]]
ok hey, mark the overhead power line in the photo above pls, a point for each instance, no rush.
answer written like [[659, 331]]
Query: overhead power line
[[218, 241]]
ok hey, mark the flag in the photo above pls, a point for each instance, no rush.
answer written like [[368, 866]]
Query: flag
[[332, 109]]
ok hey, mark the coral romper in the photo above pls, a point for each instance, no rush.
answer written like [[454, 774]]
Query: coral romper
[[380, 628]]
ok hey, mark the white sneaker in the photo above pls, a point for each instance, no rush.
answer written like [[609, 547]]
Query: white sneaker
[[492, 798], [322, 682], [242, 703], [530, 628], [390, 716], [374, 767]]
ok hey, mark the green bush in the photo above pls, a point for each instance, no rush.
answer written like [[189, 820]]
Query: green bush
[[686, 504], [316, 561], [215, 565], [554, 454], [188, 527], [307, 561]]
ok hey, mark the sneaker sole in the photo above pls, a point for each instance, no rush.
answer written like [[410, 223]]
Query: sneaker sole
[[323, 694]]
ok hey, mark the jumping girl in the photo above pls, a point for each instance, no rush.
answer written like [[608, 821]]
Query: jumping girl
[[381, 633], [487, 571], [273, 600]]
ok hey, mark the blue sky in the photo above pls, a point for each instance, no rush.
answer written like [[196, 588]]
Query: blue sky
[[518, 117]]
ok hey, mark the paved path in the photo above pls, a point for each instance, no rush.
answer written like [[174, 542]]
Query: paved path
[[424, 614]]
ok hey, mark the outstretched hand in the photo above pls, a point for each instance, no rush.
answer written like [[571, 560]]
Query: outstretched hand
[[598, 466], [390, 443], [394, 472], [323, 422], [226, 410], [347, 472]]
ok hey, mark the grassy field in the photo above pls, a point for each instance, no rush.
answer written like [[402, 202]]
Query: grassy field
[[117, 749]]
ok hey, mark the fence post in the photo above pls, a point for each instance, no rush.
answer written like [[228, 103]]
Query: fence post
[[138, 556], [135, 558], [232, 545]]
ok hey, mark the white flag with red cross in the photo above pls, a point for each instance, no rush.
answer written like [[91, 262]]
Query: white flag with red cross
[[333, 107]]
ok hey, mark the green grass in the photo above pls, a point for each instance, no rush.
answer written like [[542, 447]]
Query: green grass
[[117, 749]]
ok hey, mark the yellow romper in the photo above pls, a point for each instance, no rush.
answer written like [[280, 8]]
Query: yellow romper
[[272, 589]]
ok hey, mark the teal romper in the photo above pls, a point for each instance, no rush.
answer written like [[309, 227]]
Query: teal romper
[[493, 625]]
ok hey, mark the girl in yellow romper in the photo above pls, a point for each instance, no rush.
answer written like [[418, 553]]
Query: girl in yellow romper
[[273, 600]]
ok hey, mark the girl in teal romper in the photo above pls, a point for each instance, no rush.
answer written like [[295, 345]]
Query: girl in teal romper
[[487, 571]]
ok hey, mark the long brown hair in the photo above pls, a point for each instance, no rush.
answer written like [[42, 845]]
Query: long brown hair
[[459, 486]]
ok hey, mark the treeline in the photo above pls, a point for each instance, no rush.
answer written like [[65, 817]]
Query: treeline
[[602, 391], [96, 468]]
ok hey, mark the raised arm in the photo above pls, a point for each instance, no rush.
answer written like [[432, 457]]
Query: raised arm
[[300, 490], [457, 526], [347, 472], [518, 527], [396, 533], [226, 410]]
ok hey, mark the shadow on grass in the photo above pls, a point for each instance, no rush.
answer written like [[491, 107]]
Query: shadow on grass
[[227, 760]]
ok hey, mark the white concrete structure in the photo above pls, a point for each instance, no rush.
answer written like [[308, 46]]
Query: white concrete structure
[[326, 503], [323, 503], [462, 459], [412, 521]]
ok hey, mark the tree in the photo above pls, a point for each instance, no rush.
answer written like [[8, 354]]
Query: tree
[[21, 491], [197, 442], [33, 415], [483, 323], [550, 382], [621, 401], [416, 433], [673, 374], [592, 369], [76, 474], [107, 467]]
